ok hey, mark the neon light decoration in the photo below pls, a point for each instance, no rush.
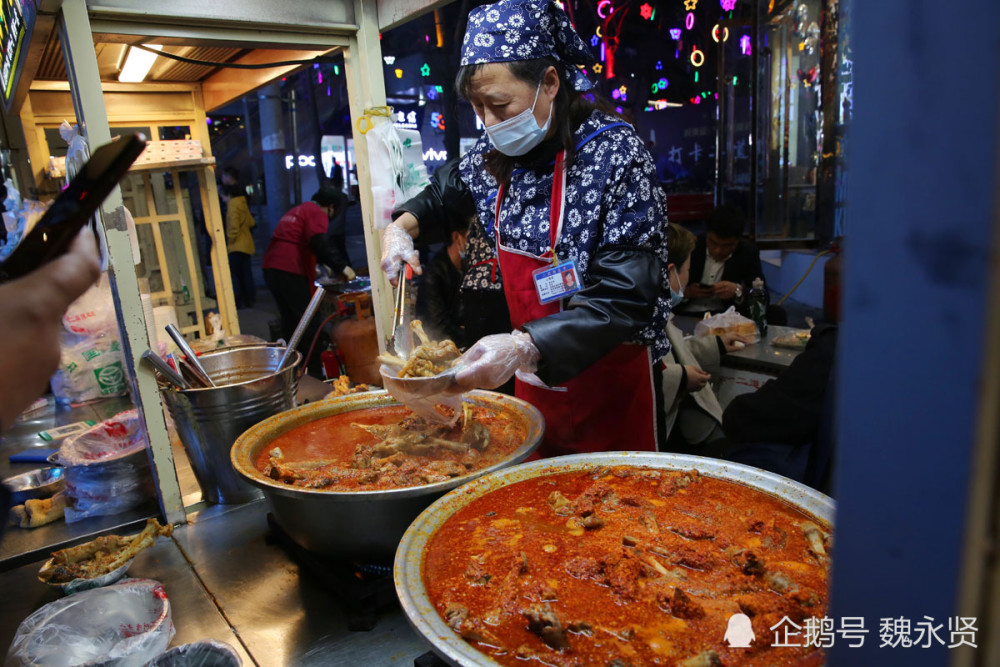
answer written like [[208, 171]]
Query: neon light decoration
[[715, 33], [745, 45], [594, 40], [728, 5], [660, 85], [697, 56], [425, 70], [690, 5], [675, 33], [646, 11], [605, 9], [659, 65], [597, 68], [399, 74], [689, 21]]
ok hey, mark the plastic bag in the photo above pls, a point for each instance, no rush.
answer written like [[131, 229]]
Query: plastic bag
[[19, 218], [107, 468], [112, 439], [121, 625], [77, 153], [397, 168], [90, 368], [727, 322], [92, 364], [93, 314]]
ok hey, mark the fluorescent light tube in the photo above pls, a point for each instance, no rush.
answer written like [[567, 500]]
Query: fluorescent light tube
[[137, 64]]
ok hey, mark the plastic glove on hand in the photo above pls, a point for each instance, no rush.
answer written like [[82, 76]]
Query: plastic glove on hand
[[494, 359], [397, 247]]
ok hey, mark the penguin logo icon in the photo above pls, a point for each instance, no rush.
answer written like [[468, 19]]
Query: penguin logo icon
[[739, 633]]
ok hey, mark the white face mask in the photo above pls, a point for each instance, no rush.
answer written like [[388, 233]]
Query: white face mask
[[518, 135]]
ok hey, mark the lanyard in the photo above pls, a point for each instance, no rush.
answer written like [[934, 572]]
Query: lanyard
[[556, 207]]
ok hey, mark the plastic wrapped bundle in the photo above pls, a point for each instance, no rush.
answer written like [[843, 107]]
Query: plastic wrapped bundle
[[123, 625]]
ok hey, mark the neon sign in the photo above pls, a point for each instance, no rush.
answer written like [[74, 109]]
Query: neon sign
[[697, 56], [715, 33], [605, 9], [689, 21]]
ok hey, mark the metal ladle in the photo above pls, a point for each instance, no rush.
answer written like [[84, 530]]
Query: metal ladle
[[192, 358], [307, 317], [165, 370]]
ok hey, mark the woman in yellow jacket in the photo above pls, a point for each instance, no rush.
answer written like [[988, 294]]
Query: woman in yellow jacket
[[239, 241]]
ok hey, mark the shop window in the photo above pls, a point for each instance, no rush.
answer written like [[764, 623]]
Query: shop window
[[791, 126]]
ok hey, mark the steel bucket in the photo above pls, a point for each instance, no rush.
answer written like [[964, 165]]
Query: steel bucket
[[209, 420]]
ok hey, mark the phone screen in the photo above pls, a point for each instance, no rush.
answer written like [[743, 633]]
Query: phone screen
[[74, 207]]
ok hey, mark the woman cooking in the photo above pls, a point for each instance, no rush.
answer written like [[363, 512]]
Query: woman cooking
[[561, 187]]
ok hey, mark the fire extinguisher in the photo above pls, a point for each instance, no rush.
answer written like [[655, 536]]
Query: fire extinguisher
[[831, 282]]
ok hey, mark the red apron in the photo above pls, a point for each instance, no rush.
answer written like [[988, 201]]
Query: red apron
[[610, 405]]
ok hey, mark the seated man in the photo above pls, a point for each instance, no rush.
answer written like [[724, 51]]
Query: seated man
[[723, 265], [439, 298], [786, 425]]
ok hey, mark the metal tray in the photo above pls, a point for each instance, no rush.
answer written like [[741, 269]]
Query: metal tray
[[410, 555]]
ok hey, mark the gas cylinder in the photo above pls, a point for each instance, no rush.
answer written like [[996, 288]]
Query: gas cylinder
[[831, 282], [357, 341]]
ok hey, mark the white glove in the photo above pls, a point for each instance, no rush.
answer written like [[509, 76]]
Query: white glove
[[494, 359], [397, 247], [349, 273]]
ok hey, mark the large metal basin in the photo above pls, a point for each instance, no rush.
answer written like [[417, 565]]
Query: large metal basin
[[361, 525], [410, 556]]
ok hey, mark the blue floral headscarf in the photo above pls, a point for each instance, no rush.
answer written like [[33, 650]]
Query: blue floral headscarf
[[511, 30]]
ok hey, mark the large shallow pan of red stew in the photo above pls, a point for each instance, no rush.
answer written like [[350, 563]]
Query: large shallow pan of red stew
[[363, 516], [619, 558]]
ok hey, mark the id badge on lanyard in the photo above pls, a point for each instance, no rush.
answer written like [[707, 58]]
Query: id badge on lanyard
[[557, 281]]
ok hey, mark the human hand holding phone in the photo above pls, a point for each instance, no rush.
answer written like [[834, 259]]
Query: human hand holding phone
[[74, 208], [31, 308]]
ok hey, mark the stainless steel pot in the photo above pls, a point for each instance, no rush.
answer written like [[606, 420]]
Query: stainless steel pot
[[363, 525], [410, 555]]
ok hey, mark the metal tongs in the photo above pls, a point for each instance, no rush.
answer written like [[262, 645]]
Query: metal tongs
[[402, 340]]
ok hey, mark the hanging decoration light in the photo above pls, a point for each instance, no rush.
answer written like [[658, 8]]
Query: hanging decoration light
[[728, 5], [715, 33], [675, 33], [425, 70], [690, 5], [697, 56], [689, 21], [605, 9], [745, 45], [647, 11], [399, 74]]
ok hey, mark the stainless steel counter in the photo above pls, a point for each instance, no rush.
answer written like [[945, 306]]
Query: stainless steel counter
[[24, 545], [225, 582]]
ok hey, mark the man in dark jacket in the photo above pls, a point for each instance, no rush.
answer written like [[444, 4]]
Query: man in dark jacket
[[439, 298], [723, 265], [786, 425]]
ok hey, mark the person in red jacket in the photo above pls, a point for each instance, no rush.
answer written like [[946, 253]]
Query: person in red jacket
[[298, 243]]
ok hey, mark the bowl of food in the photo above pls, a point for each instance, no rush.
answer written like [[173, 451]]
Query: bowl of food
[[41, 483], [100, 562], [618, 558], [345, 476]]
